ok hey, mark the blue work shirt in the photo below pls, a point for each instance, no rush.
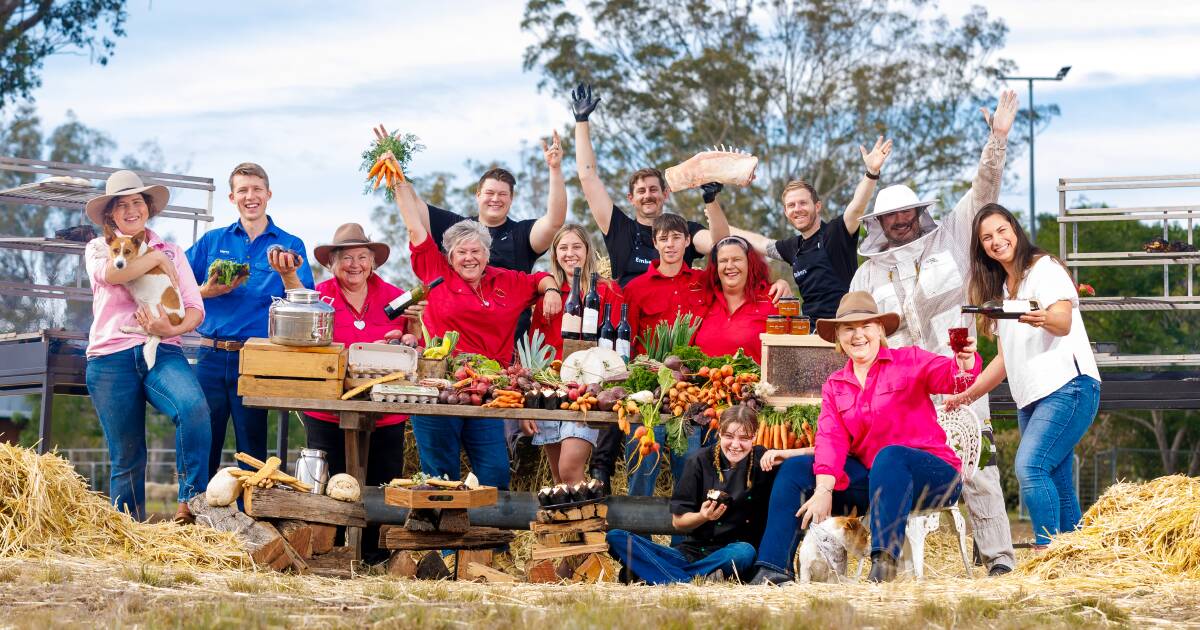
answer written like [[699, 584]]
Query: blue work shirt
[[242, 313]]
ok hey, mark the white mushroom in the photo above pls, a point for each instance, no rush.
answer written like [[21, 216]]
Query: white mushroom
[[343, 487]]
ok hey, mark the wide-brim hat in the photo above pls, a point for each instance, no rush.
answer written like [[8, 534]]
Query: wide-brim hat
[[857, 306], [897, 198], [123, 183], [351, 235]]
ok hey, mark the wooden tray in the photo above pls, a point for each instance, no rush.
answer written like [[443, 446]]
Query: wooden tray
[[460, 499]]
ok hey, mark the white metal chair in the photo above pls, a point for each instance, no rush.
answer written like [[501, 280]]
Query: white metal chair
[[963, 434]]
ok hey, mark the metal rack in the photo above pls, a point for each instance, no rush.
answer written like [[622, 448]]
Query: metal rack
[[1187, 214], [52, 361]]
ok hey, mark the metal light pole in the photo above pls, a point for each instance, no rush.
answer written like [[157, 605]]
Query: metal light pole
[[1062, 74]]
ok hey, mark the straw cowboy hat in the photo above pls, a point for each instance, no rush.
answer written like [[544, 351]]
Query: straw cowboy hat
[[351, 235], [123, 183], [896, 198], [857, 306]]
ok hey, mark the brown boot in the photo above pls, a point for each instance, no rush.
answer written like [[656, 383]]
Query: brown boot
[[183, 516]]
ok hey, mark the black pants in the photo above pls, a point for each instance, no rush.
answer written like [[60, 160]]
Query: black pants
[[385, 458]]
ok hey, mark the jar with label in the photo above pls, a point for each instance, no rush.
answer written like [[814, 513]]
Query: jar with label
[[788, 307], [799, 326], [777, 325]]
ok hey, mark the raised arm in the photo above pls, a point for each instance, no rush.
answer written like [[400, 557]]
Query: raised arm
[[547, 226], [866, 186], [422, 207], [583, 103], [718, 225], [409, 205], [985, 188]]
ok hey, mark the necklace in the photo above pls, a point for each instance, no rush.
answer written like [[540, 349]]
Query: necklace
[[358, 314], [479, 294]]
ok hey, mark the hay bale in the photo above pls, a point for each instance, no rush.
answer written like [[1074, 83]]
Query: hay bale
[[46, 509], [1150, 531]]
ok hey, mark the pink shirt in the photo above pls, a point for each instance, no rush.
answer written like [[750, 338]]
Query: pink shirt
[[894, 409], [375, 325], [113, 306]]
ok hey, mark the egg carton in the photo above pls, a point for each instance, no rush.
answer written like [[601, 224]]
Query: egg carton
[[390, 392], [370, 360]]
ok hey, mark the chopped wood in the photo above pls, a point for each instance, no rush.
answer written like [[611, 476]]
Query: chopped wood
[[597, 567], [391, 537], [464, 557], [432, 567], [402, 564], [565, 568], [591, 510], [299, 535], [289, 504], [260, 540], [338, 562], [595, 524], [421, 520], [322, 537], [540, 553], [456, 521], [594, 538], [488, 574], [540, 572]]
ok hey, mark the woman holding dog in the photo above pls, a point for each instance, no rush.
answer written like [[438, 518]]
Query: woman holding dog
[[1054, 380], [879, 447], [118, 380], [720, 532]]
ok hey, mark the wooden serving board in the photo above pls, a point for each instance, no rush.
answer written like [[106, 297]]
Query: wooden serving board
[[290, 504], [462, 499]]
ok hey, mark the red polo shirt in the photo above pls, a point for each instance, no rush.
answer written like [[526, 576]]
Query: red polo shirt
[[609, 292], [486, 319], [654, 298], [723, 332], [375, 324]]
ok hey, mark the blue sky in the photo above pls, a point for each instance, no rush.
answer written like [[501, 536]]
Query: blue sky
[[297, 87]]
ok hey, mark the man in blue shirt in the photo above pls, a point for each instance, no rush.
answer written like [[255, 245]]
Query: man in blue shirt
[[237, 311]]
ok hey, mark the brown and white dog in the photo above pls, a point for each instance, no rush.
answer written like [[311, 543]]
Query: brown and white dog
[[827, 548], [152, 289]]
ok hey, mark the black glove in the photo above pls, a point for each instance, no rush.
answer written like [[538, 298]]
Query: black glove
[[710, 191], [583, 103]]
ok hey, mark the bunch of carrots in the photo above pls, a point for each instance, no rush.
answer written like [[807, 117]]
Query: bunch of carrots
[[506, 399], [386, 169], [782, 436]]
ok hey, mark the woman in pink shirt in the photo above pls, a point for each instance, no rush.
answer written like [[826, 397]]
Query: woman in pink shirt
[[358, 296], [878, 447], [118, 380]]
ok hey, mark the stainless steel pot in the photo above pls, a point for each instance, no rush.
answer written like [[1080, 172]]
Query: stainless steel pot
[[303, 319]]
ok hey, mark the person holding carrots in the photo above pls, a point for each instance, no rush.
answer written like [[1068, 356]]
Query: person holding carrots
[[569, 445]]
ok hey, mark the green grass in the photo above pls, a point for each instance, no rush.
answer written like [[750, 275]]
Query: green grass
[[147, 575]]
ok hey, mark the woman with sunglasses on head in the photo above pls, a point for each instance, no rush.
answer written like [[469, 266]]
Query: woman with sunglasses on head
[[719, 503], [1047, 359], [742, 299]]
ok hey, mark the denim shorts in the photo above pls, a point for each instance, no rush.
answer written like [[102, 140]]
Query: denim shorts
[[553, 432]]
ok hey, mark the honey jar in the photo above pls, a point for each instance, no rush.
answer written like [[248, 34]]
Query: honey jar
[[799, 326], [777, 325], [789, 307]]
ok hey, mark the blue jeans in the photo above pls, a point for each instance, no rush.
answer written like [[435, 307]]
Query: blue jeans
[[217, 372], [642, 481], [1050, 429], [657, 564], [901, 480], [439, 439], [120, 387]]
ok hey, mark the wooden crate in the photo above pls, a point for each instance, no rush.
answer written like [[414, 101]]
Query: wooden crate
[[463, 499], [319, 389], [260, 357], [798, 366]]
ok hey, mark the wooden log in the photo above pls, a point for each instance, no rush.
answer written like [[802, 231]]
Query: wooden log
[[541, 553], [289, 504], [402, 564], [488, 574], [299, 535], [421, 520], [464, 557], [337, 562], [456, 521], [322, 537], [260, 540], [594, 538], [565, 569], [540, 572], [432, 567], [597, 567], [391, 537]]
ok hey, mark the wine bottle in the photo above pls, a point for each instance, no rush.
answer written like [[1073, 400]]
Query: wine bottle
[[623, 333], [572, 319], [591, 311], [608, 332], [396, 307], [1003, 309]]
